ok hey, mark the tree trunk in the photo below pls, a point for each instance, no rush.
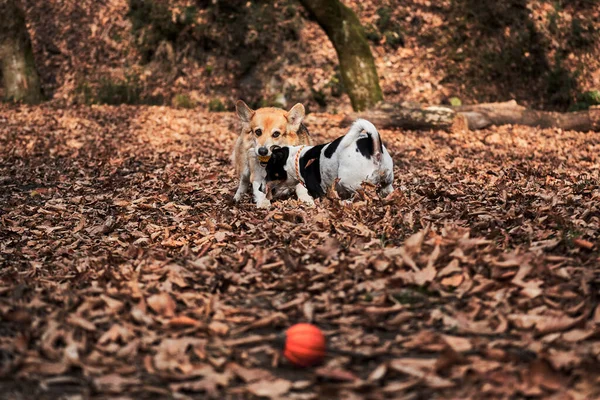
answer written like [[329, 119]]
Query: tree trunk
[[20, 78], [357, 65], [477, 117]]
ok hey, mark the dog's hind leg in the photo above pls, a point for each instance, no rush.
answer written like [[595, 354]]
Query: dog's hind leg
[[243, 187]]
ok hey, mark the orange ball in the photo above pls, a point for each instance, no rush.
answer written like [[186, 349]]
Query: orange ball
[[304, 345]]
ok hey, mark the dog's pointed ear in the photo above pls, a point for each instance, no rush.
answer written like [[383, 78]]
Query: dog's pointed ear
[[279, 153], [244, 112], [295, 116], [276, 152]]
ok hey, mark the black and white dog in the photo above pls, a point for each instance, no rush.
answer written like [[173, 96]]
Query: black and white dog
[[354, 158]]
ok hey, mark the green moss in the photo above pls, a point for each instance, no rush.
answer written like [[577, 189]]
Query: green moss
[[216, 105], [183, 101], [116, 37], [85, 93], [127, 91], [455, 102], [586, 100], [115, 91], [591, 97], [385, 16], [413, 295], [394, 39], [569, 236], [335, 85], [372, 34]]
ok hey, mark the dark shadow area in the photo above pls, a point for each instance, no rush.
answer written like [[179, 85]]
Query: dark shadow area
[[241, 31], [495, 47], [505, 50]]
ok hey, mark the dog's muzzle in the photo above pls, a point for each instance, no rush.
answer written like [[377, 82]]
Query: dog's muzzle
[[263, 156]]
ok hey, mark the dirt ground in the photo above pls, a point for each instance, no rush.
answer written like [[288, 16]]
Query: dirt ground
[[126, 271]]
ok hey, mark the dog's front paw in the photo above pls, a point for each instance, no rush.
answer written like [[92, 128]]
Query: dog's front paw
[[308, 201], [265, 203], [237, 197]]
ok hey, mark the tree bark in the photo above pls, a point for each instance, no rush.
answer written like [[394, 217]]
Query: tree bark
[[20, 78], [357, 65], [477, 117]]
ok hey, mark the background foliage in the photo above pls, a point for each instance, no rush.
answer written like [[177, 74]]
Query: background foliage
[[196, 53]]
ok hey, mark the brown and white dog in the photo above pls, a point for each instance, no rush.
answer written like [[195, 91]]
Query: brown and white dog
[[261, 130]]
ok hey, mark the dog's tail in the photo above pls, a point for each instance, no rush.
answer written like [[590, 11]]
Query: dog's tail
[[363, 125]]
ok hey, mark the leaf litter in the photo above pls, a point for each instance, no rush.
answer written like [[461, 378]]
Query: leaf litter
[[127, 268]]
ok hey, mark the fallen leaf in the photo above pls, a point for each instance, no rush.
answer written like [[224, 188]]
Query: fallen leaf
[[270, 389], [250, 374], [162, 304], [421, 370], [184, 321], [336, 374], [425, 275], [397, 387], [541, 374], [458, 344], [218, 328], [81, 322], [454, 280], [378, 373], [583, 244], [114, 383], [577, 335]]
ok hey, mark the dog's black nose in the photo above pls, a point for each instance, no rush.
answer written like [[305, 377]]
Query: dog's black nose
[[263, 151]]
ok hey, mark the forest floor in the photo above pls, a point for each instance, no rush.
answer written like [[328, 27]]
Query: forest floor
[[127, 270]]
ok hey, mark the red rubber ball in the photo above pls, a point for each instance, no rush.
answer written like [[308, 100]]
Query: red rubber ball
[[304, 345]]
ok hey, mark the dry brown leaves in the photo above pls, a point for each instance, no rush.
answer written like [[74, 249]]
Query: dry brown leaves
[[127, 269]]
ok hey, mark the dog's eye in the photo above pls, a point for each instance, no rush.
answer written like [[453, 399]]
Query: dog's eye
[[258, 132], [276, 134]]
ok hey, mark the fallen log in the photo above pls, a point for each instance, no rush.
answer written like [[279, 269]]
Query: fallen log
[[391, 115]]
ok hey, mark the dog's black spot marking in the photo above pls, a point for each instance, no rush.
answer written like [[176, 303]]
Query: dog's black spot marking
[[332, 147], [311, 170], [365, 146], [276, 165]]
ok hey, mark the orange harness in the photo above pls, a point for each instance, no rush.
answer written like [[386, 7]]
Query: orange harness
[[297, 165]]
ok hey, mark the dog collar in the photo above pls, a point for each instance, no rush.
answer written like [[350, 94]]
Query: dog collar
[[297, 165]]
